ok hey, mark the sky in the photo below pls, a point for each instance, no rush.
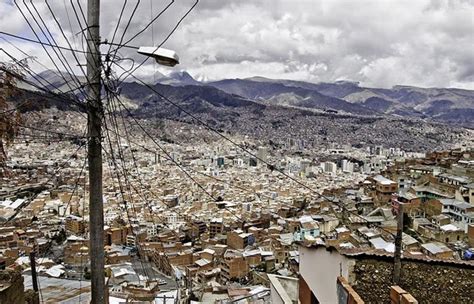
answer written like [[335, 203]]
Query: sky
[[379, 43]]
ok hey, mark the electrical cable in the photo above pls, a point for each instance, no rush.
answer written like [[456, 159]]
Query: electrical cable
[[120, 45], [37, 37], [122, 191], [36, 76], [40, 42], [64, 61], [69, 44], [200, 121], [164, 41]]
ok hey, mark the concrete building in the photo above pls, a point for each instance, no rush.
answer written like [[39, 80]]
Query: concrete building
[[75, 224], [384, 189], [216, 226], [234, 265], [329, 167], [370, 274], [237, 239]]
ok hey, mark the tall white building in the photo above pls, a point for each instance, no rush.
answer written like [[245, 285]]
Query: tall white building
[[329, 167], [347, 166]]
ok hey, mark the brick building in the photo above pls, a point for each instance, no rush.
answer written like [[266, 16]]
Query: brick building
[[234, 266], [75, 224], [237, 239]]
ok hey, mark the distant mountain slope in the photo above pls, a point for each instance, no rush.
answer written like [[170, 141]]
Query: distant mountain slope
[[179, 78], [215, 104], [439, 104], [280, 125], [54, 81], [284, 95], [447, 105], [337, 89], [280, 115]]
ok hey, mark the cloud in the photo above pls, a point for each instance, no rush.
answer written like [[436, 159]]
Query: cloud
[[376, 42]]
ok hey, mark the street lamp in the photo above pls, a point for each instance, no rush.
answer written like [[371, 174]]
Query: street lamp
[[161, 55]]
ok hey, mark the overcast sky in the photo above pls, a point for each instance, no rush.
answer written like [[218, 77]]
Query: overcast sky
[[379, 43]]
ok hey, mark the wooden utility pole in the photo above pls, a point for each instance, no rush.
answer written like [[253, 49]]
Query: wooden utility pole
[[94, 123], [34, 275], [397, 263]]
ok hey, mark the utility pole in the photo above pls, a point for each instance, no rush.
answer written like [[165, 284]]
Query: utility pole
[[397, 263], [94, 125], [34, 275]]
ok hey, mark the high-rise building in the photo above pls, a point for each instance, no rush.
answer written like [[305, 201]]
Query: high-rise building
[[347, 166], [329, 167]]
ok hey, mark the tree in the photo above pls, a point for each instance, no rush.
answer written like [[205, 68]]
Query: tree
[[10, 116]]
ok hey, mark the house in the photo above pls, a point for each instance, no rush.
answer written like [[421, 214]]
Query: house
[[308, 227], [384, 189], [237, 239], [234, 265], [459, 211], [437, 250], [370, 274], [216, 226], [75, 224]]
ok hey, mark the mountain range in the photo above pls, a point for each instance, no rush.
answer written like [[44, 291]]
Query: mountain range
[[286, 111], [445, 105]]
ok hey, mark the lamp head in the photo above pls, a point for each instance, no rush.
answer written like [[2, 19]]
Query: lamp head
[[161, 55]]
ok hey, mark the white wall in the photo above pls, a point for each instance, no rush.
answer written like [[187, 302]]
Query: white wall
[[320, 269], [274, 296]]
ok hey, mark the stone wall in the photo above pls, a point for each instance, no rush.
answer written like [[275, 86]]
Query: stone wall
[[11, 287], [428, 282]]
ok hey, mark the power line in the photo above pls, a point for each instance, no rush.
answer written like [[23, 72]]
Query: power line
[[142, 30], [200, 121], [118, 23], [126, 27], [69, 44], [166, 153], [167, 156], [37, 37], [54, 95], [121, 186], [41, 42], [113, 111], [164, 40], [35, 75], [125, 175], [64, 60], [68, 19], [177, 164]]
